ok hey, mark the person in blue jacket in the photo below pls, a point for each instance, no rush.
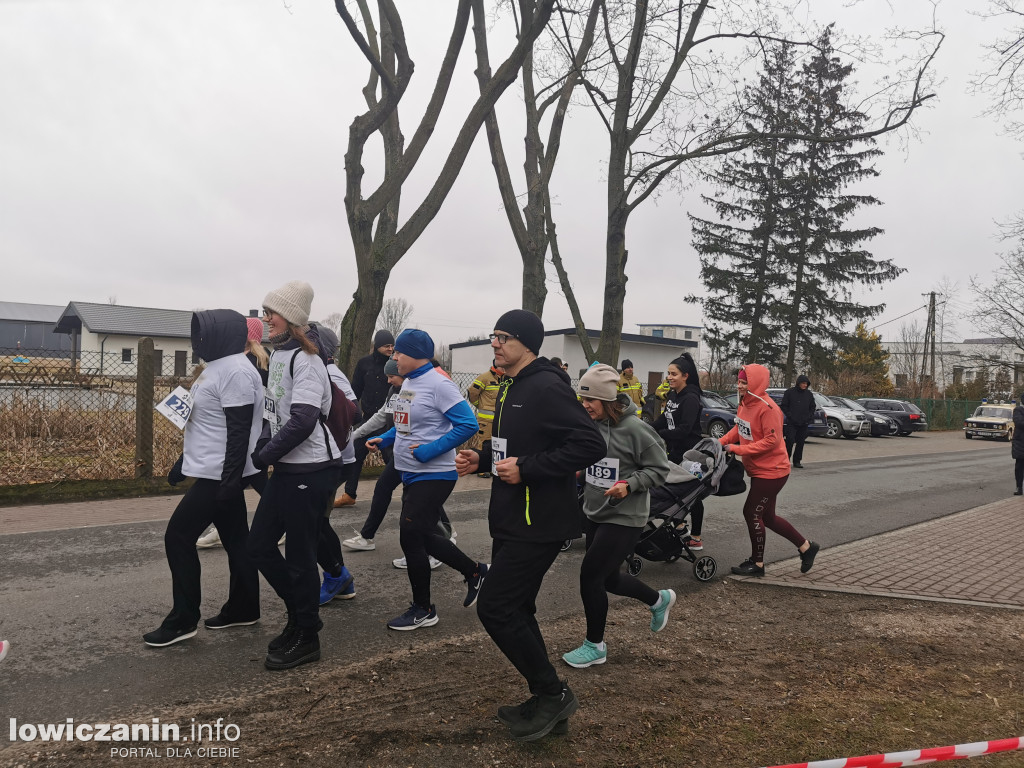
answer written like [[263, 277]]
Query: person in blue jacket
[[431, 420]]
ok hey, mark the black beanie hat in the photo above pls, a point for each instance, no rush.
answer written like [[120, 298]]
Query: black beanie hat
[[627, 363], [382, 338], [525, 326]]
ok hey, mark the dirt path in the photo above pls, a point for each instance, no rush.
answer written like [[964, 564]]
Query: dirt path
[[744, 675]]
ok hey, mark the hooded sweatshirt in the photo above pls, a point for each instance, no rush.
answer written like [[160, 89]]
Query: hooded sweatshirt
[[679, 425], [757, 436], [798, 404], [635, 454], [227, 410], [539, 420]]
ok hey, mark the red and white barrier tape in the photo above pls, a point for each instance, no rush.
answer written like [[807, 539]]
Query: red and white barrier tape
[[916, 756]]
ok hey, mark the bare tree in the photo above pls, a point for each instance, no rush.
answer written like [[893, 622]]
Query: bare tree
[[379, 240], [394, 315], [668, 95], [333, 321], [905, 359], [1003, 78], [998, 310]]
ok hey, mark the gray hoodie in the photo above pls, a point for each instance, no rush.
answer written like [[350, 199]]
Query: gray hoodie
[[642, 463]]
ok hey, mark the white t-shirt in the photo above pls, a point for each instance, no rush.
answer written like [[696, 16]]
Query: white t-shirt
[[225, 383], [348, 454], [419, 419], [310, 386]]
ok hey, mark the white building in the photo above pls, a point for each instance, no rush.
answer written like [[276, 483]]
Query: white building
[[649, 353], [956, 362], [105, 337]]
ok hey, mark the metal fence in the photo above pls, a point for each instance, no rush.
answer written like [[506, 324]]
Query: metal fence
[[61, 419], [945, 414]]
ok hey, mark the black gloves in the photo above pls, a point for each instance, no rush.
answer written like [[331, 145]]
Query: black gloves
[[175, 476]]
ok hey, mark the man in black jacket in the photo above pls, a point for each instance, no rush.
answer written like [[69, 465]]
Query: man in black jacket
[[540, 439], [370, 384], [798, 408]]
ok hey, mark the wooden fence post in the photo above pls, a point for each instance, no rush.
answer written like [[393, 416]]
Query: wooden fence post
[[144, 375]]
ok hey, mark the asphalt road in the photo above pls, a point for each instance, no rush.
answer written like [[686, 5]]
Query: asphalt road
[[75, 603]]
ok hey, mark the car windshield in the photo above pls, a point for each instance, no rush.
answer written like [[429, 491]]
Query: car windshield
[[993, 412], [853, 405], [712, 400], [823, 402]]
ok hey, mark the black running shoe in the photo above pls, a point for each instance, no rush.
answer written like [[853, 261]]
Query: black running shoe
[[807, 558], [165, 636], [748, 568]]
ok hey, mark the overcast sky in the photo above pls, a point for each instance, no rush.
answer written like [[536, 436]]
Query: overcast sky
[[190, 155]]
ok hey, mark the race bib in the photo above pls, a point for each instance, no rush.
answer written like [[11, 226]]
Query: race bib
[[389, 406], [603, 474], [743, 427], [177, 407], [499, 449], [270, 414], [403, 423]]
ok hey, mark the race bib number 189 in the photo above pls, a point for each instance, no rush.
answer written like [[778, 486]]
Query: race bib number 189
[[604, 474]]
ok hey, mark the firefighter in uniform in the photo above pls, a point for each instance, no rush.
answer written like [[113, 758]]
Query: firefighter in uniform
[[482, 395], [631, 385]]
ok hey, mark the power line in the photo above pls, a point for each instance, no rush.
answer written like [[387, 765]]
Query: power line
[[917, 309]]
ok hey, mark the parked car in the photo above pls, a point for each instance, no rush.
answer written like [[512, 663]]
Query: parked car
[[992, 420], [716, 415], [817, 428], [839, 420], [909, 417], [881, 425]]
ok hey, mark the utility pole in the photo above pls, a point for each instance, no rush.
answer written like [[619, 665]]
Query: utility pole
[[929, 339]]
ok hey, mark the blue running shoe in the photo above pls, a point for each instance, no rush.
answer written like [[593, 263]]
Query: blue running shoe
[[335, 586], [414, 618], [659, 615]]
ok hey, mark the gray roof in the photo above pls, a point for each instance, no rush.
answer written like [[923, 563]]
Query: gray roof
[[125, 321], [30, 313]]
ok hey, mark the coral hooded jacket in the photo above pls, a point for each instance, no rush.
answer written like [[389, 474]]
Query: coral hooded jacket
[[757, 436]]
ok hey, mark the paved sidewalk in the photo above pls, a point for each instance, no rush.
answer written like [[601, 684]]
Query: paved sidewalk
[[923, 562]]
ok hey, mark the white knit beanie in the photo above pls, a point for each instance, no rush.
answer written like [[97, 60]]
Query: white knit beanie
[[291, 301], [600, 382]]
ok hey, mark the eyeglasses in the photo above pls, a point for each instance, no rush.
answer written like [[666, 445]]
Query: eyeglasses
[[267, 314], [502, 337]]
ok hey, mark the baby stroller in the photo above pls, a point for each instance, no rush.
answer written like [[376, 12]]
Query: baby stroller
[[706, 470]]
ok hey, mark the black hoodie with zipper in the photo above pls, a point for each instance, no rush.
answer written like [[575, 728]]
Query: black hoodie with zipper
[[553, 437], [218, 333]]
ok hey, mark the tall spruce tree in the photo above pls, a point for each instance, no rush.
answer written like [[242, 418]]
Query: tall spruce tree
[[824, 260], [738, 253], [778, 266]]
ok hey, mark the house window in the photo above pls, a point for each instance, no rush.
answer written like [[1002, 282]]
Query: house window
[[901, 379], [970, 375], [688, 334], [658, 333], [126, 355]]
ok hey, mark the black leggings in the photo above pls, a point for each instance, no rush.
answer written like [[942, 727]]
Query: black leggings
[[293, 504], [388, 480], [421, 539], [1018, 472], [608, 544], [197, 509], [328, 548]]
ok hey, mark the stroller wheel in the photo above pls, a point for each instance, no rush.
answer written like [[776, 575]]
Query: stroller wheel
[[566, 545], [705, 568], [634, 565]]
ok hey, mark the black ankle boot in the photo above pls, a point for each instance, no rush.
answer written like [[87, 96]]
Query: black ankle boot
[[302, 647], [281, 640]]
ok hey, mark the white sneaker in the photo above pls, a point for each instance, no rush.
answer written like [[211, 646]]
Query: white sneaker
[[399, 562], [209, 539], [359, 543]]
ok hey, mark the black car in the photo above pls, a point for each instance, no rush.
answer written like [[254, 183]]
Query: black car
[[716, 415], [881, 425], [908, 416]]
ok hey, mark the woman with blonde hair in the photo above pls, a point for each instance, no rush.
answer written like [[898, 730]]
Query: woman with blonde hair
[[308, 467]]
